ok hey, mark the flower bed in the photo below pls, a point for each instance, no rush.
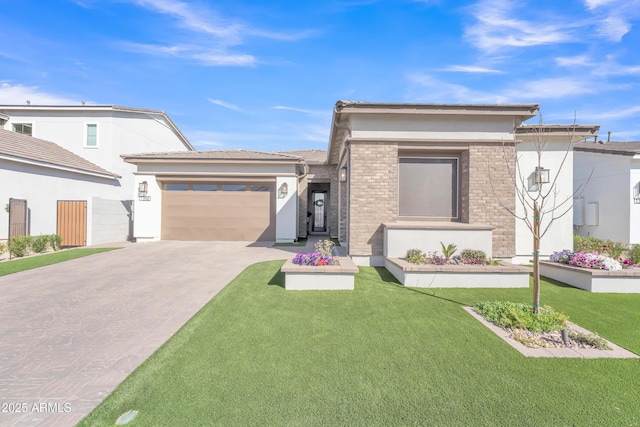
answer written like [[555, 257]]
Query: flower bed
[[501, 275], [593, 279], [592, 260], [337, 276]]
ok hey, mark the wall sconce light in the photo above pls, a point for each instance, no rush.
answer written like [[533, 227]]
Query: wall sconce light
[[283, 190], [143, 188], [541, 175], [343, 174], [636, 194]]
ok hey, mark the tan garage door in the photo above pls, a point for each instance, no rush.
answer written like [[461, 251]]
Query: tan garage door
[[209, 211]]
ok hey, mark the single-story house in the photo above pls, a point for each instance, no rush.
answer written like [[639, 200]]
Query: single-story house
[[609, 207], [395, 176]]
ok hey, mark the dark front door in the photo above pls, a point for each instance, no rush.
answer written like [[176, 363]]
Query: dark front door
[[319, 199]]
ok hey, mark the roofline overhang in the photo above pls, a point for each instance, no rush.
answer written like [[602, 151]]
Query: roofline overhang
[[157, 160], [352, 107], [58, 167], [596, 150], [587, 131]]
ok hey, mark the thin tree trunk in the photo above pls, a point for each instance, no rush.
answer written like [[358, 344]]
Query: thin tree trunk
[[536, 257]]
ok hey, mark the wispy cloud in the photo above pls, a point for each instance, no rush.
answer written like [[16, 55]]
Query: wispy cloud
[[497, 27], [302, 110], [613, 28], [225, 104], [220, 34], [575, 61], [441, 91], [613, 17], [19, 95], [630, 111], [471, 69], [554, 88]]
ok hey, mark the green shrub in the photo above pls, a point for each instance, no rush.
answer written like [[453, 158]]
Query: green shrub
[[590, 339], [39, 243], [448, 250], [416, 256], [615, 249], [473, 256], [587, 244], [521, 316], [634, 254], [55, 241], [20, 245], [325, 247], [3, 248]]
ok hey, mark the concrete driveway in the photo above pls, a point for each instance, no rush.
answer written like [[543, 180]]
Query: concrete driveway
[[71, 332]]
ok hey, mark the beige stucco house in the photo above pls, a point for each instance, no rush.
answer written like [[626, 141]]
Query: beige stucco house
[[395, 176]]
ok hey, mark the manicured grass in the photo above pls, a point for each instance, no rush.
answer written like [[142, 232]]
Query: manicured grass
[[381, 355], [299, 242], [22, 264]]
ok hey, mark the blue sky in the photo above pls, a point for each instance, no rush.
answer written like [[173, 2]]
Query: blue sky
[[265, 75]]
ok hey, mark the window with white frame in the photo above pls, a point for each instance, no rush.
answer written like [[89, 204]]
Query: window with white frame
[[428, 187], [92, 135], [23, 128]]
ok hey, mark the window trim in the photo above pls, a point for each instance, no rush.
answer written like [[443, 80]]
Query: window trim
[[86, 135], [443, 156], [13, 127]]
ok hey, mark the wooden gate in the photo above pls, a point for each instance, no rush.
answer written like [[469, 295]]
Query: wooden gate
[[72, 222], [18, 215]]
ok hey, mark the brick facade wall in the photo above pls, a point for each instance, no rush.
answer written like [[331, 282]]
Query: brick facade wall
[[373, 186]]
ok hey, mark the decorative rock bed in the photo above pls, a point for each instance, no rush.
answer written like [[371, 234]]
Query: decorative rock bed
[[321, 277], [625, 281], [504, 275]]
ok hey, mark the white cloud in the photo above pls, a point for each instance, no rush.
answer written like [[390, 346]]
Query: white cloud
[[613, 28], [498, 27], [440, 91], [224, 104], [593, 4], [213, 57], [19, 95], [619, 114], [552, 88], [471, 69], [303, 110], [575, 61]]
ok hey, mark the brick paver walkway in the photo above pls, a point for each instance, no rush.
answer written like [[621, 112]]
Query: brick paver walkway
[[71, 332]]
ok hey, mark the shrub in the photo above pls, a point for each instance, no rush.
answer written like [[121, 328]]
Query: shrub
[[614, 249], [325, 248], [39, 243], [592, 340], [3, 248], [434, 258], [55, 241], [20, 245], [473, 256], [416, 256], [521, 316], [634, 254], [587, 244]]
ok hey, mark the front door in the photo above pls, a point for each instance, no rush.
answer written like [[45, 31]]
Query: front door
[[319, 199]]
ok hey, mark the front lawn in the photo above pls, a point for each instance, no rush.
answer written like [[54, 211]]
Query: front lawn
[[381, 355], [21, 264]]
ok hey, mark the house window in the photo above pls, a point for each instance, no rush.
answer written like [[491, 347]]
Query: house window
[[428, 187], [176, 187], [234, 187], [92, 135], [23, 128]]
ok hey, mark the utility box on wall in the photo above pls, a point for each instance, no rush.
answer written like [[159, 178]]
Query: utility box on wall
[[578, 211], [592, 214]]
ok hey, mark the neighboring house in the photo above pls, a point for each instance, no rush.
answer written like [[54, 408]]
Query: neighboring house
[[395, 176], [609, 208], [99, 134]]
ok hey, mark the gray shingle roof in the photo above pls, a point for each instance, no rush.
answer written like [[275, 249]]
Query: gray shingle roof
[[213, 155], [26, 148], [630, 148]]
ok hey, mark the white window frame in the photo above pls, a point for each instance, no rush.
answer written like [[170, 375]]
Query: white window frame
[[86, 136], [456, 216], [13, 127]]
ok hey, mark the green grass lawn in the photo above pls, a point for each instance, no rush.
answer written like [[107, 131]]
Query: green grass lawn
[[381, 355], [22, 264]]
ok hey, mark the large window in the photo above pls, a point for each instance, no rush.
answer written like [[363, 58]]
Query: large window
[[92, 135], [428, 187], [23, 128]]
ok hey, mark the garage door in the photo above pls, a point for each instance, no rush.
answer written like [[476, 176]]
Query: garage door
[[218, 211]]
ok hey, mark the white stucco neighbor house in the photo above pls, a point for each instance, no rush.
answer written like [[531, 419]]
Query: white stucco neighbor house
[[394, 177], [609, 208], [40, 141]]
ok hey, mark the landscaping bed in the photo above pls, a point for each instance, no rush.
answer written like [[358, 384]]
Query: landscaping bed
[[339, 276], [502, 275], [625, 281]]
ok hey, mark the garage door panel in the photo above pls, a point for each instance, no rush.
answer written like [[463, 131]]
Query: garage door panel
[[191, 215]]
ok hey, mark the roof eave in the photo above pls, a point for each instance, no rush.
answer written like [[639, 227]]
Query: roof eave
[[59, 167]]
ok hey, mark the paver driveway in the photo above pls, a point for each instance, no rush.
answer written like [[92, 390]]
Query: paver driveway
[[71, 332]]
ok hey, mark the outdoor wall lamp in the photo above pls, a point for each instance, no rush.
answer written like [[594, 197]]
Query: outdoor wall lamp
[[541, 175], [343, 174], [283, 190], [143, 187]]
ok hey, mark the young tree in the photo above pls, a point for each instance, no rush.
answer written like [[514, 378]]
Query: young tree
[[538, 194]]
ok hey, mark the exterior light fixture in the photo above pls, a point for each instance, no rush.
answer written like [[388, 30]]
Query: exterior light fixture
[[541, 175], [283, 190], [143, 188], [343, 174]]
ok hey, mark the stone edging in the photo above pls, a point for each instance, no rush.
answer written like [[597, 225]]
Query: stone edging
[[616, 351]]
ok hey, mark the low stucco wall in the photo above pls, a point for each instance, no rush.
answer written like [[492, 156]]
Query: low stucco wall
[[326, 277], [625, 281]]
